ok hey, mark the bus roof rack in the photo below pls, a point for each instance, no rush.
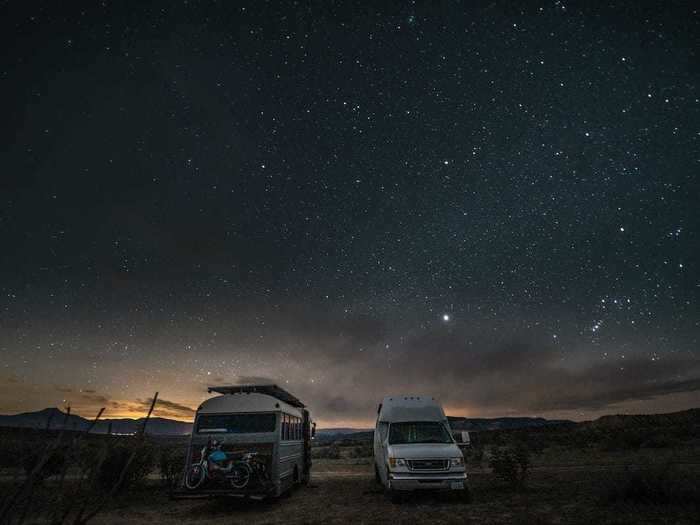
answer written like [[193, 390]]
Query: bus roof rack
[[270, 390]]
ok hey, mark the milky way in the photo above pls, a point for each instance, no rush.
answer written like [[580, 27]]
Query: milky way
[[496, 205]]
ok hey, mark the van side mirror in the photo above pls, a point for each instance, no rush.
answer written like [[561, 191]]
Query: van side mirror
[[462, 438]]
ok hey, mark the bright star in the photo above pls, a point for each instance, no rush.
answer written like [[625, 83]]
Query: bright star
[[446, 317]]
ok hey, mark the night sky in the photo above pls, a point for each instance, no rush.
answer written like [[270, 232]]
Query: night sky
[[492, 204]]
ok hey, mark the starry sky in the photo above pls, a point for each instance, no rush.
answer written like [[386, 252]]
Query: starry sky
[[489, 202]]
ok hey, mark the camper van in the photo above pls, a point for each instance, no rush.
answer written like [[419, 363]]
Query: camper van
[[252, 440], [414, 448]]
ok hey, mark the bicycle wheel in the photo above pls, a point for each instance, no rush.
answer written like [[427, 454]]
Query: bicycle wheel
[[195, 477]]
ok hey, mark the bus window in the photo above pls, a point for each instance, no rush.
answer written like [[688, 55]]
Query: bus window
[[235, 423]]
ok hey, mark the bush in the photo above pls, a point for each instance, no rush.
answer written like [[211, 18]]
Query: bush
[[362, 451], [657, 485], [661, 440], [330, 452], [116, 460], [474, 456], [511, 464], [53, 466], [172, 465], [623, 440], [12, 453]]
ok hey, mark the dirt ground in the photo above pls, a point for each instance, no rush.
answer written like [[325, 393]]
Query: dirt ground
[[345, 492]]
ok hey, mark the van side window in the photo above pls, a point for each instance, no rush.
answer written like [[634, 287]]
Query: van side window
[[383, 430]]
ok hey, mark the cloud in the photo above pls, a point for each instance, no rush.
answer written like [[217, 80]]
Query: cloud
[[96, 398], [255, 380], [489, 367], [166, 408]]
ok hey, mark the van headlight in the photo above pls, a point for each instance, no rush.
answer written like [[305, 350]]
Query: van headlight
[[457, 462], [397, 462]]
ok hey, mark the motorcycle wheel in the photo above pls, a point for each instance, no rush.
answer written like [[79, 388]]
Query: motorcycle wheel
[[240, 476], [195, 477]]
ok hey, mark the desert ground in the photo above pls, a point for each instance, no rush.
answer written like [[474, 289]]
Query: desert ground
[[620, 470], [570, 488]]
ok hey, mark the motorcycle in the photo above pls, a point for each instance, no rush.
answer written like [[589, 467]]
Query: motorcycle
[[216, 466]]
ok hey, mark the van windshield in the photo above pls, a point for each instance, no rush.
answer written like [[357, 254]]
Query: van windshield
[[418, 432], [235, 423]]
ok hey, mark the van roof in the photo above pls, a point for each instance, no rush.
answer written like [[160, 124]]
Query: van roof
[[269, 390], [410, 408]]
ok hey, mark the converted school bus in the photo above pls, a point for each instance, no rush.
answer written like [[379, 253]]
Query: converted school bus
[[262, 419]]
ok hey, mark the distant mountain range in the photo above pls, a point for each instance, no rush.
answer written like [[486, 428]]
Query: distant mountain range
[[56, 419], [341, 431], [503, 423]]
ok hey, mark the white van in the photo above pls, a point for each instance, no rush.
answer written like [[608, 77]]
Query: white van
[[252, 440], [414, 448]]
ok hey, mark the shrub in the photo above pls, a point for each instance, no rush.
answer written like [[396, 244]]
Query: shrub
[[12, 453], [362, 451], [172, 465], [116, 461], [654, 484], [661, 440], [511, 464], [53, 466], [474, 455], [623, 440], [330, 452]]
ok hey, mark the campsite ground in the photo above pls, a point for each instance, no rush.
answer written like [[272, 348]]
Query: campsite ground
[[563, 487], [629, 470]]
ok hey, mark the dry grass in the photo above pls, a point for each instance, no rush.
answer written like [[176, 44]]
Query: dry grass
[[343, 491], [577, 486]]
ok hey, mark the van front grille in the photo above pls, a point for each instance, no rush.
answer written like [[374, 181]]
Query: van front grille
[[428, 464]]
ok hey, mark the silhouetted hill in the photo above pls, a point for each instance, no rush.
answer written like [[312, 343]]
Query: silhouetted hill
[[503, 423], [685, 417], [54, 418], [682, 423], [339, 431]]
